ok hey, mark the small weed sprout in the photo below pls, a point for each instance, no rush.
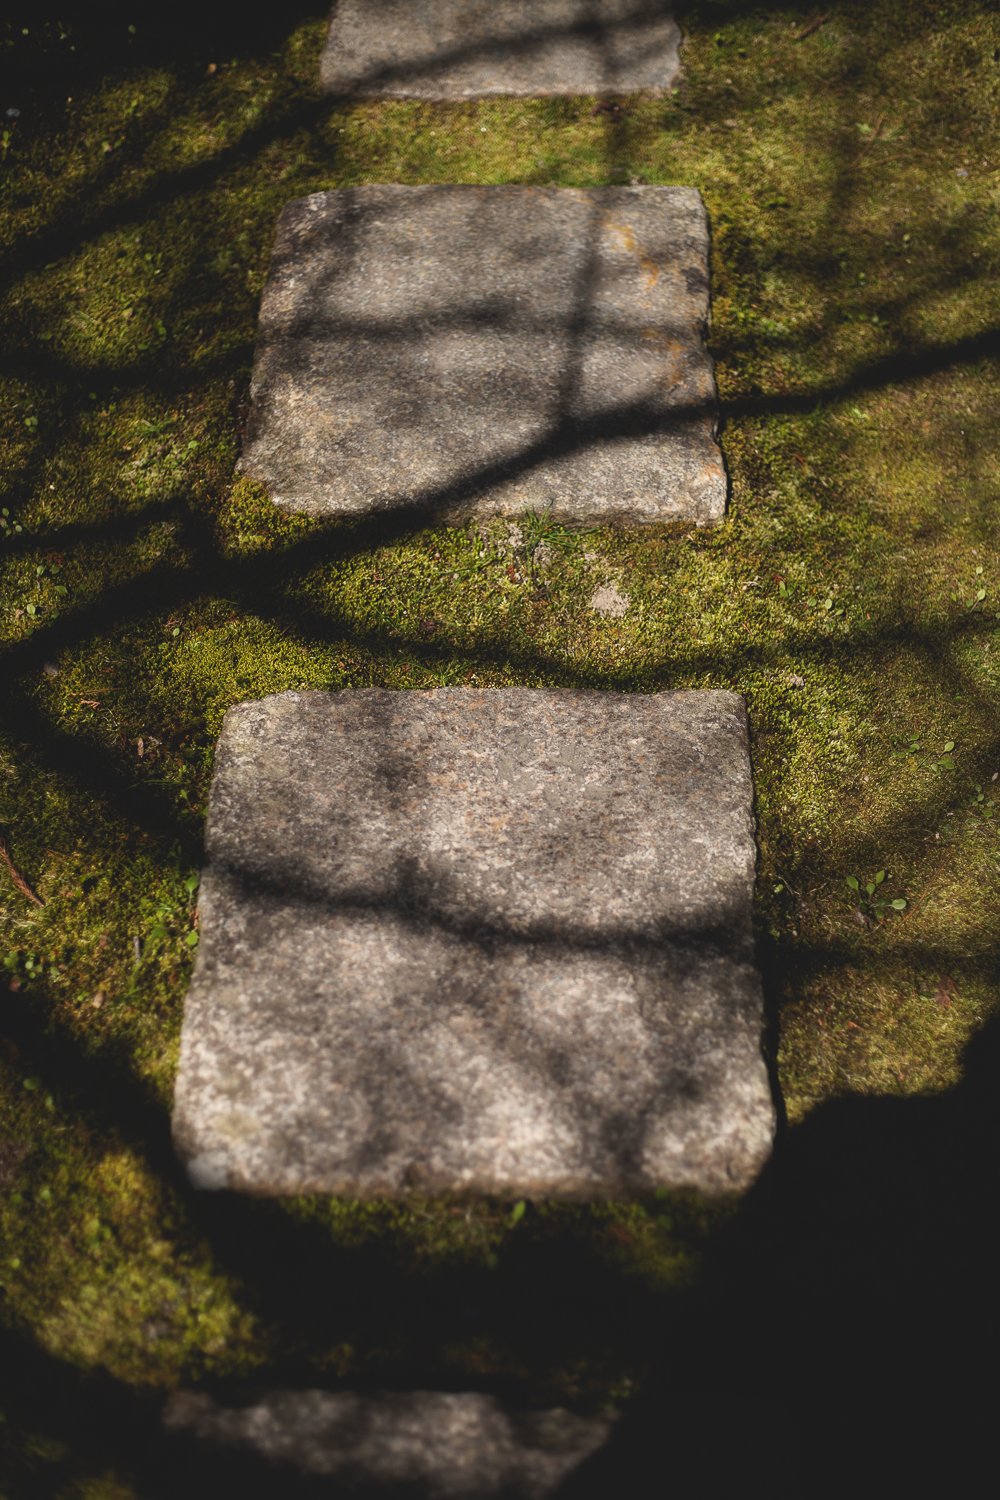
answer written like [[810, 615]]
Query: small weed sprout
[[538, 528], [870, 895]]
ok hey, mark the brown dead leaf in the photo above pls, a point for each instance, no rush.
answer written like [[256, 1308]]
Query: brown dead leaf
[[946, 992]]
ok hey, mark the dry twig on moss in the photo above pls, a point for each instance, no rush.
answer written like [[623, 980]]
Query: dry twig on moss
[[869, 143], [16, 875], [814, 25]]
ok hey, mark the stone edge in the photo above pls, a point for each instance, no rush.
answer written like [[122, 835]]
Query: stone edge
[[470, 511], [332, 82]]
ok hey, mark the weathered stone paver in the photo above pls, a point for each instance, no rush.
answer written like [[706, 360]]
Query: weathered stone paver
[[459, 49], [483, 350], [495, 941], [433, 1444]]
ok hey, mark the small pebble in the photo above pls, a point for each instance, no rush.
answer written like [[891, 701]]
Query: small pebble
[[12, 113], [609, 601]]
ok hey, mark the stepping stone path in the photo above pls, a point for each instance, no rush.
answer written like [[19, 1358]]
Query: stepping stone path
[[462, 940], [484, 350], [463, 49], [473, 940], [438, 1445]]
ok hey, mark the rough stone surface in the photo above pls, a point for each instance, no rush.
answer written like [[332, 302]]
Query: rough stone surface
[[462, 49], [482, 350], [440, 1446], [490, 941]]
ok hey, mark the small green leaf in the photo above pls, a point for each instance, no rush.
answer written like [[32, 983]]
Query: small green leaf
[[980, 595], [852, 881], [870, 888], [828, 604], [778, 889], [879, 877], [899, 904], [30, 1084], [32, 609], [191, 884], [949, 745], [517, 1212], [192, 939], [946, 763]]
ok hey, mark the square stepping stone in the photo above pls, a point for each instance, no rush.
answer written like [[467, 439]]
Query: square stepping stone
[[464, 49], [485, 941], [473, 351], [440, 1445]]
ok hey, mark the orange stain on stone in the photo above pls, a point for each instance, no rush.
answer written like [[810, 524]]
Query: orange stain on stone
[[627, 242]]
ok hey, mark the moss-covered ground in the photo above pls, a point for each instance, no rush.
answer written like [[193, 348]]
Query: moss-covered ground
[[848, 158]]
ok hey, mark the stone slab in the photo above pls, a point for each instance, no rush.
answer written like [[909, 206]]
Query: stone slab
[[477, 941], [489, 350], [463, 49], [438, 1445]]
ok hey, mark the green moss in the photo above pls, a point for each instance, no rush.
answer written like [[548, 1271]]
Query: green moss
[[851, 596]]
